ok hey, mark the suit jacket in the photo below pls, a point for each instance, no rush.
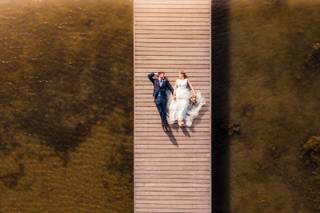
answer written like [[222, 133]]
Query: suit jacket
[[157, 88]]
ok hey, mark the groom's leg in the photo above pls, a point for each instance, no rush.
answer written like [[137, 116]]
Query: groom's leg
[[164, 111], [158, 102]]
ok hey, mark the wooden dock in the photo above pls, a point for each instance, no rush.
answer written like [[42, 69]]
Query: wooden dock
[[172, 171]]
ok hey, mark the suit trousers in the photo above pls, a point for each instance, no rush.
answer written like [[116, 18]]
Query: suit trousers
[[161, 103]]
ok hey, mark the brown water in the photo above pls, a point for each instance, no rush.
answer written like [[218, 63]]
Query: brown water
[[274, 97], [66, 102]]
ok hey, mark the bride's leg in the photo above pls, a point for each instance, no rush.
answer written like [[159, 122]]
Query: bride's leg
[[180, 115], [183, 111], [180, 121], [172, 112]]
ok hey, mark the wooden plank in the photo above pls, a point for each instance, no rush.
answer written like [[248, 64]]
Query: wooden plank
[[172, 64], [173, 36], [170, 45], [170, 202], [155, 51], [173, 15], [172, 10], [174, 57], [168, 155], [174, 40], [171, 6], [174, 32], [171, 53], [182, 177], [169, 163], [171, 210], [178, 18], [172, 2]]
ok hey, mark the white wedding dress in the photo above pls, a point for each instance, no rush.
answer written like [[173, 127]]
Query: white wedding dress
[[181, 108]]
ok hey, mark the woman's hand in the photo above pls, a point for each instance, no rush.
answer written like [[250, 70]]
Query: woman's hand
[[174, 97]]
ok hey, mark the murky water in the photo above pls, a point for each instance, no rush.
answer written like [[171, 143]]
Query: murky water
[[66, 102], [274, 61]]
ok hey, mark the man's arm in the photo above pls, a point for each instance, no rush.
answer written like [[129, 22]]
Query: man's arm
[[170, 87], [150, 76]]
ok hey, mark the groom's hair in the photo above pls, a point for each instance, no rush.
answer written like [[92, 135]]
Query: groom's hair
[[161, 72]]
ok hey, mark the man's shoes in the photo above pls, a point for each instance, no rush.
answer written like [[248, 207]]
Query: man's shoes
[[165, 126]]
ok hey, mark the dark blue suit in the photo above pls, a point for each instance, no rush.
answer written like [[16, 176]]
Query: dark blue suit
[[160, 95]]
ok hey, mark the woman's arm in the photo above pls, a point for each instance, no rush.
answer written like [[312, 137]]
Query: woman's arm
[[191, 87]]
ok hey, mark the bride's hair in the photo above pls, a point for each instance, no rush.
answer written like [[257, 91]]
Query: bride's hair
[[184, 74]]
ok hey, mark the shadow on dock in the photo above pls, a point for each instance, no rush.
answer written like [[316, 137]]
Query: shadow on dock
[[171, 137]]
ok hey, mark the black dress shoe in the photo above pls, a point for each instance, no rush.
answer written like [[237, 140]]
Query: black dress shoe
[[166, 126], [163, 126]]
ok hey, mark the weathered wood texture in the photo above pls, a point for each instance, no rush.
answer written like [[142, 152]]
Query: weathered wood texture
[[172, 172]]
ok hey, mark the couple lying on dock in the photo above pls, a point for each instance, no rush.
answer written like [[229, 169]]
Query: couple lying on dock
[[180, 103]]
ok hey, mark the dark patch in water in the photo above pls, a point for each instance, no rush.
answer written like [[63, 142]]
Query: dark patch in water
[[68, 81], [11, 180], [247, 110]]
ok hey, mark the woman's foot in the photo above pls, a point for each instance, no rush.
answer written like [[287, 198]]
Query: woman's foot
[[181, 123]]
